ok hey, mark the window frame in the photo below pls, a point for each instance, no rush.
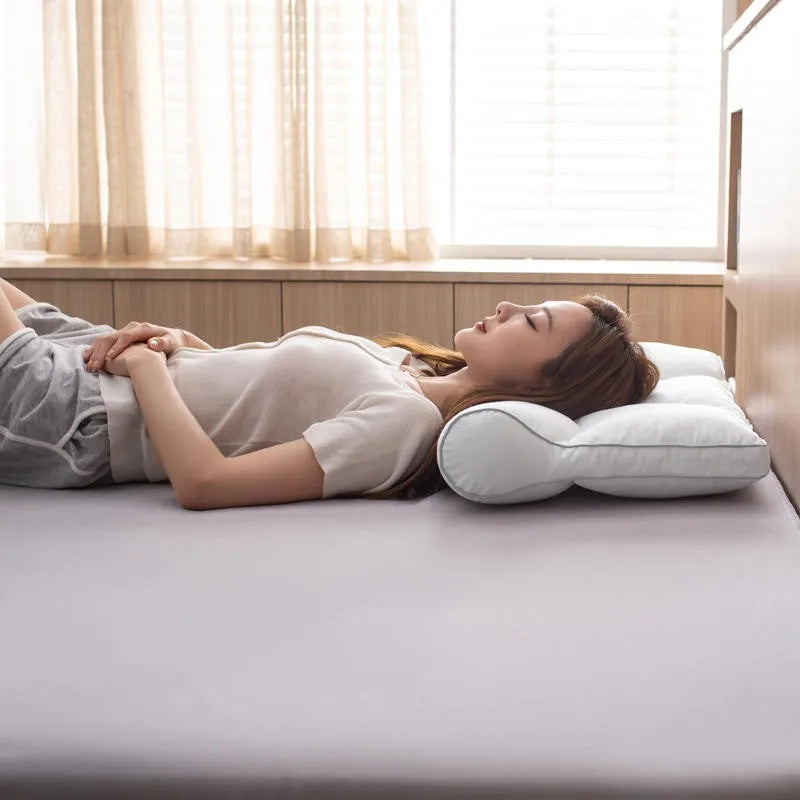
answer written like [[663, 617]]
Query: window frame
[[517, 251]]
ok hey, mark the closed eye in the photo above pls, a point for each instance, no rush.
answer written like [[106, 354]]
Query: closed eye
[[530, 321]]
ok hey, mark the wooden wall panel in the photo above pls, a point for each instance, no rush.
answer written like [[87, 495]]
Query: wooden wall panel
[[222, 313], [366, 309], [741, 6], [763, 66], [683, 315], [729, 336], [474, 301], [89, 300], [229, 312]]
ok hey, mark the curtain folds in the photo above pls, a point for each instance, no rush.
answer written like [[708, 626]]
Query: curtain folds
[[291, 129]]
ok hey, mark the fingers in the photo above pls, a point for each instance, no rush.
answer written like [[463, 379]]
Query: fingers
[[94, 360], [109, 345], [123, 341], [97, 352]]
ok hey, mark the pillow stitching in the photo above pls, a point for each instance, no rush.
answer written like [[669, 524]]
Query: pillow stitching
[[472, 495], [468, 412]]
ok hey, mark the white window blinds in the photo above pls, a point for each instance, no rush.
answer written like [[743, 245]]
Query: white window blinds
[[585, 128]]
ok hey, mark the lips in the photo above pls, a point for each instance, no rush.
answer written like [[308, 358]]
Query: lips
[[481, 326]]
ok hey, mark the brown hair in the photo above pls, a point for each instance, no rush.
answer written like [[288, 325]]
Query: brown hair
[[604, 369]]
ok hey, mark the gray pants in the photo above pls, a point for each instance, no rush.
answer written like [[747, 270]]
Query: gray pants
[[53, 423]]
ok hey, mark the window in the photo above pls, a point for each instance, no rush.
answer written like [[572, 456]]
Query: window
[[557, 128], [572, 128]]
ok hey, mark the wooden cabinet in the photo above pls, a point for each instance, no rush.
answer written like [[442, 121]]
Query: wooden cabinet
[[87, 299], [222, 313], [370, 308], [762, 280], [690, 316], [226, 303]]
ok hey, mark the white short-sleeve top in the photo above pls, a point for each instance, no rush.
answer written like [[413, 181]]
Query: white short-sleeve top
[[368, 424]]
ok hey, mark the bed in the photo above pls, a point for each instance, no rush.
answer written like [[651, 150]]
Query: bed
[[582, 646]]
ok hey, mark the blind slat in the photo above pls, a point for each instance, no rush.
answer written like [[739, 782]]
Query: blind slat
[[592, 116]]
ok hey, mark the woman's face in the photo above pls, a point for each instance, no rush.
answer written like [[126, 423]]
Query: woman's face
[[511, 352]]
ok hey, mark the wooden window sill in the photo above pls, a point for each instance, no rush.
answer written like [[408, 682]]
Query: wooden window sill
[[450, 270]]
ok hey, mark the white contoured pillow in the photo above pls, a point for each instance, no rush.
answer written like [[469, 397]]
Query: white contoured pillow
[[689, 437]]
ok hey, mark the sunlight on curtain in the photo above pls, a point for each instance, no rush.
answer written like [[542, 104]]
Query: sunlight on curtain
[[368, 80], [4, 168], [23, 130], [174, 128]]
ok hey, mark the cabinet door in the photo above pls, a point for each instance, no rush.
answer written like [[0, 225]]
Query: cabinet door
[[424, 310], [686, 315], [222, 313], [90, 300]]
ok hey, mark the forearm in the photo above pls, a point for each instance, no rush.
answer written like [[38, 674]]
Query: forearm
[[9, 321], [185, 450], [195, 341]]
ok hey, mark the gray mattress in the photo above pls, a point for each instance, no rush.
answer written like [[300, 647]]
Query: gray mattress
[[583, 646]]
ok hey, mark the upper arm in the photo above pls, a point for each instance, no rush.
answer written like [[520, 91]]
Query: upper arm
[[283, 473], [371, 444]]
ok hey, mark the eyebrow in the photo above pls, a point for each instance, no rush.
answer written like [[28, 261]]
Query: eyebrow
[[549, 316]]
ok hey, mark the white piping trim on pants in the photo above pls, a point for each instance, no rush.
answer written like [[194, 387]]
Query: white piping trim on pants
[[56, 448], [68, 435]]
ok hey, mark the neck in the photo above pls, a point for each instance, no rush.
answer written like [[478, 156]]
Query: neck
[[444, 390]]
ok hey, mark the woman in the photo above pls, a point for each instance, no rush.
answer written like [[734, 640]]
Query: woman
[[315, 414]]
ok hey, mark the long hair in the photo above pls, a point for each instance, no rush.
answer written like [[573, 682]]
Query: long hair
[[605, 369]]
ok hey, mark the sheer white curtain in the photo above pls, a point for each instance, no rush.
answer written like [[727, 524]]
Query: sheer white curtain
[[289, 129]]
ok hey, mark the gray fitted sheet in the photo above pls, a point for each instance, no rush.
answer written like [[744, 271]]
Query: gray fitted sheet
[[583, 646]]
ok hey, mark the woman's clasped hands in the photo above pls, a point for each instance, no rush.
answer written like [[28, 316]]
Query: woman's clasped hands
[[114, 352]]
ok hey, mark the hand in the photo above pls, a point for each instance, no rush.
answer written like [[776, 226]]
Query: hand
[[121, 363], [109, 345]]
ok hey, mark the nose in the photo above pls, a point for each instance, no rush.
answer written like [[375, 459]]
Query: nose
[[504, 307]]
